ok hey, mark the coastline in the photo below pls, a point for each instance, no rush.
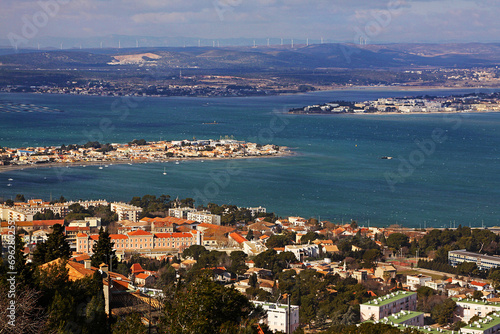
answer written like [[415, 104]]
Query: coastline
[[396, 113], [318, 89], [3, 169]]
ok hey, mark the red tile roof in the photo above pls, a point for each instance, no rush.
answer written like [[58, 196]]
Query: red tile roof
[[118, 236], [238, 237], [136, 268], [48, 222], [139, 233], [173, 235], [478, 283], [142, 276]]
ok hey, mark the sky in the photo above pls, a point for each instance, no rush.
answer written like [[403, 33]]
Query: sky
[[375, 21]]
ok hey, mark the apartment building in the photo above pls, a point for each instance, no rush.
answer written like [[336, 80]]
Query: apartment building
[[180, 212], [483, 262], [280, 317], [488, 325], [126, 211], [387, 305], [141, 240], [204, 217], [468, 307]]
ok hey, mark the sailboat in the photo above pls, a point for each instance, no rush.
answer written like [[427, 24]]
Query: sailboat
[[164, 170]]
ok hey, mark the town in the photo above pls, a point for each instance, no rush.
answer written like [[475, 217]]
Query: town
[[308, 276], [136, 151], [448, 104]]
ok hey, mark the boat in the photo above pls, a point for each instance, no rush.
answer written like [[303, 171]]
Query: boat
[[106, 166], [177, 162], [9, 185], [164, 171], [11, 179], [386, 158]]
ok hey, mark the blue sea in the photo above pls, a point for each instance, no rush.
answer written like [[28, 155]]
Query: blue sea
[[445, 169]]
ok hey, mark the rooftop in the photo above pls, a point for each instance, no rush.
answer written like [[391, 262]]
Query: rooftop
[[400, 317], [485, 323], [389, 298]]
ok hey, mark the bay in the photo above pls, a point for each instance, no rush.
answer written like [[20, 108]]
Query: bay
[[335, 174]]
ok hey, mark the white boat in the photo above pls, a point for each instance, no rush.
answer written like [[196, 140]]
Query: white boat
[[164, 171], [11, 179], [9, 185], [177, 162]]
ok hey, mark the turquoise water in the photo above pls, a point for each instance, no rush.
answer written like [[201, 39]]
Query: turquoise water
[[336, 174]]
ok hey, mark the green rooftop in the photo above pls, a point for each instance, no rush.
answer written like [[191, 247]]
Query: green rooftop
[[401, 317], [485, 323], [392, 297], [476, 301]]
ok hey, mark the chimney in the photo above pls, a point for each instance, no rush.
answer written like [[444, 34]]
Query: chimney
[[87, 264]]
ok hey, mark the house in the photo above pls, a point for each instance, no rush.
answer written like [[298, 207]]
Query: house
[[303, 251], [236, 239], [385, 271], [437, 285], [479, 286], [144, 279], [416, 281]]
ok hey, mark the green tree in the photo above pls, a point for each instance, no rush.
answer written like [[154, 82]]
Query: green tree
[[309, 237], [55, 247], [477, 295], [20, 198], [250, 235], [103, 251], [443, 313], [194, 251], [398, 240], [238, 266], [131, 324], [205, 307], [23, 269]]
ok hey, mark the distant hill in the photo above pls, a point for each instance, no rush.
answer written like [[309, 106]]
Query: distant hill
[[274, 58]]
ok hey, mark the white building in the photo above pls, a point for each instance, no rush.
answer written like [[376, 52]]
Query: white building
[[180, 212], [303, 251], [392, 303], [483, 262], [416, 281], [126, 211], [468, 307], [255, 211], [204, 217], [280, 317]]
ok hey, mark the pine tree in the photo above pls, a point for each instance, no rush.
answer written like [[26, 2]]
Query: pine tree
[[24, 270], [103, 251], [55, 247]]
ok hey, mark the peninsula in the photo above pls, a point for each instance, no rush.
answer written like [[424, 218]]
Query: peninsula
[[135, 151], [406, 105]]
